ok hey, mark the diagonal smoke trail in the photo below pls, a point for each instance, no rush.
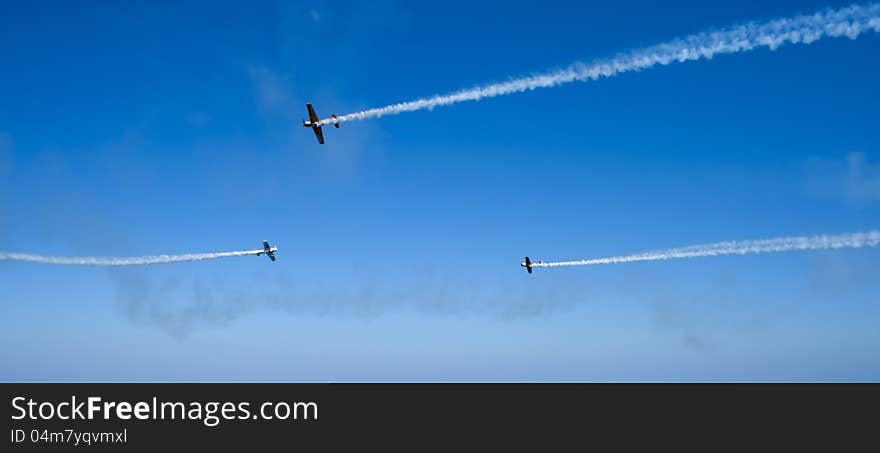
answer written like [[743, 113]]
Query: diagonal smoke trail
[[784, 244], [122, 261], [850, 21]]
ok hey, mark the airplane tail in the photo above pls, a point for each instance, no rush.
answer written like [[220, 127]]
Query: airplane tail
[[335, 120]]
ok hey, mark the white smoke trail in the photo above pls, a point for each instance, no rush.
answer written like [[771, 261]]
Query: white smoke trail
[[784, 244], [122, 261], [850, 21]]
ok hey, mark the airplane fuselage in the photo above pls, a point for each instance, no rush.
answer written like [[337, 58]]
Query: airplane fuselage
[[314, 122], [269, 250], [529, 265]]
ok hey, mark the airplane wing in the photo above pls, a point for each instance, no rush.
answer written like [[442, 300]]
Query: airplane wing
[[272, 256], [320, 134], [313, 117]]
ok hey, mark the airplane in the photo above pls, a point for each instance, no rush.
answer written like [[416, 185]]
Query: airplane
[[315, 123], [268, 250], [528, 264]]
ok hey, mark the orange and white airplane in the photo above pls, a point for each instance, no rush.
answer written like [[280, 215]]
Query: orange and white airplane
[[528, 264], [268, 250], [315, 123]]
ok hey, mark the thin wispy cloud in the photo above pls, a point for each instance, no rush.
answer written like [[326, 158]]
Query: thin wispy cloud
[[272, 90], [6, 148], [854, 179], [862, 177]]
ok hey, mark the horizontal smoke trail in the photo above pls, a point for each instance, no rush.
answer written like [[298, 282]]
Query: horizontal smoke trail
[[122, 261], [785, 244], [850, 21]]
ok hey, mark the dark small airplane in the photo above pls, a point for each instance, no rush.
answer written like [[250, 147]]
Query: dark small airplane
[[528, 264], [268, 250], [315, 123]]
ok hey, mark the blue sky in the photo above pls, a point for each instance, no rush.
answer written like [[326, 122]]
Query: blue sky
[[144, 128]]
